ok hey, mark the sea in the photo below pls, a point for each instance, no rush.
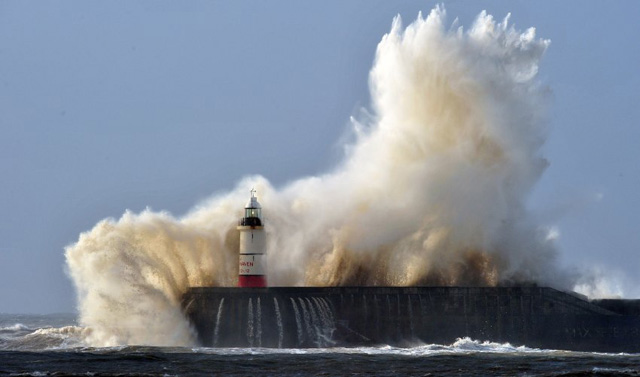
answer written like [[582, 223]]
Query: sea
[[52, 345]]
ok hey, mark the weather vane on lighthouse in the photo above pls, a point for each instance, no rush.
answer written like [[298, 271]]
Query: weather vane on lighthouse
[[252, 261]]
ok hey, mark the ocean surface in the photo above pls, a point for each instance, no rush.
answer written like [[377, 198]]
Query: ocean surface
[[52, 345]]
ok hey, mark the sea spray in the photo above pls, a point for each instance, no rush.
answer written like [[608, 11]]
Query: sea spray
[[432, 191], [130, 275]]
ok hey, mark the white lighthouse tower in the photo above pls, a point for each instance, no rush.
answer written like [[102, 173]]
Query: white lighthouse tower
[[253, 246]]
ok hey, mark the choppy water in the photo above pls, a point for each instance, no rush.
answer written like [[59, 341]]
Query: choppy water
[[52, 345]]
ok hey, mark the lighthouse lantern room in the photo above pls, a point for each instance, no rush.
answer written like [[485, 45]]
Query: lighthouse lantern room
[[252, 263]]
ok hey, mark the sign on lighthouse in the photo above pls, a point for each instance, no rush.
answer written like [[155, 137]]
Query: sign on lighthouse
[[253, 246]]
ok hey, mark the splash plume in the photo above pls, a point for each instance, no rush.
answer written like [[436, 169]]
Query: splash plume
[[432, 192]]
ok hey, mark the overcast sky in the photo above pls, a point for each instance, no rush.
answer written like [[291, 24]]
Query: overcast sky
[[115, 105]]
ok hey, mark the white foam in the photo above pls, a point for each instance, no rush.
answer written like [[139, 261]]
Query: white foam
[[16, 327], [460, 346]]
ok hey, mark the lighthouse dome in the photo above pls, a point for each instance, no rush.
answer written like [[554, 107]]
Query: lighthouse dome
[[253, 203]]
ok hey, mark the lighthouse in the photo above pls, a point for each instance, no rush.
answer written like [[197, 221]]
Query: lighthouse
[[253, 246]]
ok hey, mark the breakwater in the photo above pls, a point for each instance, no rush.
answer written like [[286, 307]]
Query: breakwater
[[290, 317]]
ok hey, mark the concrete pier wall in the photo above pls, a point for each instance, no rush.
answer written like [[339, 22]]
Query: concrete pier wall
[[350, 316]]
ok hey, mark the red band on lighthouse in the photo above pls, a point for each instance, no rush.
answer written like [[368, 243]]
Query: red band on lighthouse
[[252, 281]]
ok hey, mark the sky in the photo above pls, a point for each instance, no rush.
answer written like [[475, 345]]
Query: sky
[[109, 106]]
